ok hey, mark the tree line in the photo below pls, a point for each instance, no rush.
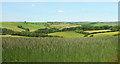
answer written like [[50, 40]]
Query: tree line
[[78, 29], [24, 33]]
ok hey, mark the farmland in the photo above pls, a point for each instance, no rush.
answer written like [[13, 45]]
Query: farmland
[[59, 41], [105, 34], [68, 34], [96, 31], [97, 49], [60, 25]]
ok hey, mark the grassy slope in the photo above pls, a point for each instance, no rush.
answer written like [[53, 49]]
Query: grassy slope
[[97, 23], [35, 26], [72, 34], [10, 36], [96, 31], [96, 49], [68, 34], [105, 34], [13, 26], [61, 26]]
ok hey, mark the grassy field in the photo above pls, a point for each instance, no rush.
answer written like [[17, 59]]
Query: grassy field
[[61, 26], [67, 34], [72, 34], [10, 36], [96, 49], [96, 23], [73, 47], [31, 26], [96, 31], [105, 34]]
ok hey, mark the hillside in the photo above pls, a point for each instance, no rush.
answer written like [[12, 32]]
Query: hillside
[[60, 25]]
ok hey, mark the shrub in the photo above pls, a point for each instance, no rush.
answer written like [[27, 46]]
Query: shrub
[[91, 35]]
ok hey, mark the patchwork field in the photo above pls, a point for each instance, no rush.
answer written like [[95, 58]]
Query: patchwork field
[[39, 25]]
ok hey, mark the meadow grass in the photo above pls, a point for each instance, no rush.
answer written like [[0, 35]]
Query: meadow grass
[[95, 49], [67, 34], [10, 36]]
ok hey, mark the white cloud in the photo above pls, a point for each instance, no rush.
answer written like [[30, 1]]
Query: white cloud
[[33, 5], [60, 11]]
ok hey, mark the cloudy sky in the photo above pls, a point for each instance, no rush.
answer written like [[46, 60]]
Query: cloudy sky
[[60, 11]]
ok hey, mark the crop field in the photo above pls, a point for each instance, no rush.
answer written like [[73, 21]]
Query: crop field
[[97, 49], [97, 23], [10, 36], [96, 31], [67, 34], [61, 26], [105, 34]]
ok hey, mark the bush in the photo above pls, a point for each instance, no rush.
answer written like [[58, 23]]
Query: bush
[[85, 35], [91, 35], [26, 29]]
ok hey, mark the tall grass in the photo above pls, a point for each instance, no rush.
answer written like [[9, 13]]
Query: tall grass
[[96, 49]]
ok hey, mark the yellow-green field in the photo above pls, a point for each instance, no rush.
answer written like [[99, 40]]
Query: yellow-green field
[[105, 34], [61, 26], [68, 34], [13, 26], [10, 36], [96, 31], [72, 34]]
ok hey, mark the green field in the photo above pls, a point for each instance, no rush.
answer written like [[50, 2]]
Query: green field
[[10, 36], [105, 34], [31, 26], [67, 34], [97, 49], [96, 31], [71, 46], [72, 34], [96, 23]]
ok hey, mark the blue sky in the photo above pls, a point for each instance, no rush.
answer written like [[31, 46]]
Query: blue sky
[[60, 11]]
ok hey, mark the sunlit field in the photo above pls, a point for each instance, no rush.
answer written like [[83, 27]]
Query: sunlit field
[[67, 34]]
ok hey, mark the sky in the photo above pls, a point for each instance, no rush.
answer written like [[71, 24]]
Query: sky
[[60, 0], [59, 11]]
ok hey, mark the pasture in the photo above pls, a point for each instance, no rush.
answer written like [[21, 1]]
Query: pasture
[[96, 49], [105, 34], [31, 26], [67, 34], [96, 31]]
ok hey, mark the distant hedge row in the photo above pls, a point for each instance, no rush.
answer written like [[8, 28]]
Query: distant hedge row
[[26, 29], [77, 29], [24, 33]]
